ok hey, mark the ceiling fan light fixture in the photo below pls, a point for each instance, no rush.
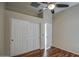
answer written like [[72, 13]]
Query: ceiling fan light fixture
[[51, 6]]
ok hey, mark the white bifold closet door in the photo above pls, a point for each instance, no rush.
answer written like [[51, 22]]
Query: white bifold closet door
[[25, 36]]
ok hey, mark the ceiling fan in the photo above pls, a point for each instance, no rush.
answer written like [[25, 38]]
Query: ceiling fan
[[49, 5]]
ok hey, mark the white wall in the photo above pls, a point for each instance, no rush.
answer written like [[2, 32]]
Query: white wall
[[66, 30], [1, 29]]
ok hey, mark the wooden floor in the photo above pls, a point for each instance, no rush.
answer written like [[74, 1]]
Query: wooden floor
[[52, 52], [56, 52]]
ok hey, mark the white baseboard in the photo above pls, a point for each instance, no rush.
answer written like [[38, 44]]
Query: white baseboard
[[47, 48]]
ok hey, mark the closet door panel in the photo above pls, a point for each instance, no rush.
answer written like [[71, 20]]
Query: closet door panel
[[24, 37]]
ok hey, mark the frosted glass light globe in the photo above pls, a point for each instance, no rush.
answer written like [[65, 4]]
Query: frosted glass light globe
[[51, 6]]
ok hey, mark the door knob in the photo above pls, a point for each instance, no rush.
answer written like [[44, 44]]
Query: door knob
[[12, 40]]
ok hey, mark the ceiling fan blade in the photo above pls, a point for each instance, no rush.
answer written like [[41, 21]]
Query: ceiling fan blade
[[52, 11], [62, 5], [35, 4], [44, 2], [48, 2]]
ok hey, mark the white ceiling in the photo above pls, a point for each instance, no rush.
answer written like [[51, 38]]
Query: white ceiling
[[71, 4], [25, 7]]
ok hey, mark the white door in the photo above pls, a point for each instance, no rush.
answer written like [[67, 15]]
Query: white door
[[25, 37]]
